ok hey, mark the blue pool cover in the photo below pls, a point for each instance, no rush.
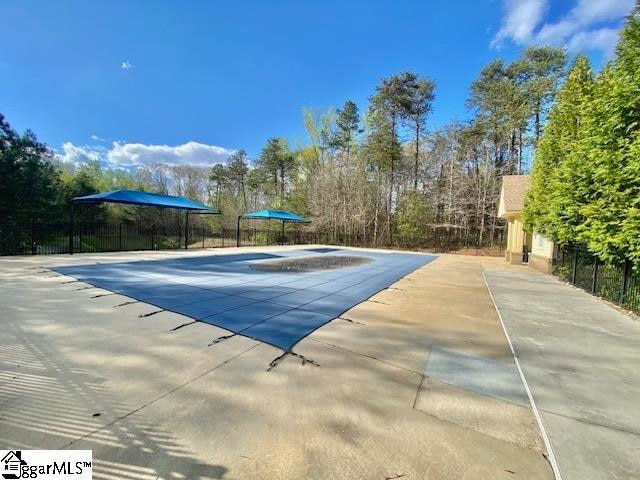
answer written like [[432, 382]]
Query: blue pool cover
[[278, 308]]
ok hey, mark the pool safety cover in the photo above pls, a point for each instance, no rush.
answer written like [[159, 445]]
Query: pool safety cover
[[278, 307]]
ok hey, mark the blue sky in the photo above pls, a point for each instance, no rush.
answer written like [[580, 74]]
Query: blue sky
[[187, 82]]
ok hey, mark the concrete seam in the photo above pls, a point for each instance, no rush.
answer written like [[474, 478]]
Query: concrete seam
[[592, 424], [424, 369], [536, 413], [415, 399], [158, 398], [367, 356]]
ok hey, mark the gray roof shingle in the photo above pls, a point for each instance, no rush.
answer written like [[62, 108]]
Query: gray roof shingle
[[514, 189]]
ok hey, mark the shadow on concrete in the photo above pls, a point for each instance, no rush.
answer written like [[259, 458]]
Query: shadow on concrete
[[47, 402]]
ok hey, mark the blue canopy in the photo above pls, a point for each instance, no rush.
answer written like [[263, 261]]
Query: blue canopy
[[276, 215], [134, 197]]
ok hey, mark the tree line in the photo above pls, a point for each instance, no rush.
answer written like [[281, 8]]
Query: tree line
[[586, 175], [376, 176]]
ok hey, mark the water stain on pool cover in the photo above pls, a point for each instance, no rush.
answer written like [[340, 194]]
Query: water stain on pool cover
[[311, 264]]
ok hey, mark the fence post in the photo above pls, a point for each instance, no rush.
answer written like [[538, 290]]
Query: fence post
[[71, 229], [223, 236], [594, 283], [120, 236], [282, 241], [202, 234], [186, 231], [33, 240], [575, 266], [625, 281], [153, 234]]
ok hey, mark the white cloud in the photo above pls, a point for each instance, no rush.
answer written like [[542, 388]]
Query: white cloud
[[77, 154], [592, 11], [96, 138], [586, 26], [134, 155], [603, 39], [520, 20], [126, 65]]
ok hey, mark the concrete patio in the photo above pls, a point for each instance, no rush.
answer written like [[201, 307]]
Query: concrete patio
[[388, 390]]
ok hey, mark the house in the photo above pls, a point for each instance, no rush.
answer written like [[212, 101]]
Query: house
[[512, 193], [541, 255], [522, 246]]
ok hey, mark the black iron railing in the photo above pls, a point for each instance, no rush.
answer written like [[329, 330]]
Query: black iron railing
[[617, 283], [40, 238], [430, 239], [51, 238]]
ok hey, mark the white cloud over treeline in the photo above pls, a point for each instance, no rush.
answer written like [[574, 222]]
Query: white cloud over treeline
[[133, 155]]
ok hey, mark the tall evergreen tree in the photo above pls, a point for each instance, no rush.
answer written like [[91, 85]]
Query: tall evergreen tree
[[238, 168], [557, 186], [541, 69], [611, 146], [344, 137], [29, 183], [277, 159], [421, 94], [500, 109], [218, 178]]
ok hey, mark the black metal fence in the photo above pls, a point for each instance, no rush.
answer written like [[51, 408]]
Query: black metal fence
[[51, 238], [437, 240], [619, 284], [40, 238]]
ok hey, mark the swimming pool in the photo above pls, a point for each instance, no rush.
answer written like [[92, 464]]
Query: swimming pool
[[277, 298]]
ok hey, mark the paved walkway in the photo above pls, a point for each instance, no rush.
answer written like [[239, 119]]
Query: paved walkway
[[581, 359]]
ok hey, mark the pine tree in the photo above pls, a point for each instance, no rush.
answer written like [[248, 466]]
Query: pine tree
[[541, 69], [238, 168], [277, 159], [346, 130], [30, 186]]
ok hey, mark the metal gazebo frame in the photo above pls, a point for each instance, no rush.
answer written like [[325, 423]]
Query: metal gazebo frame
[[145, 199], [284, 216]]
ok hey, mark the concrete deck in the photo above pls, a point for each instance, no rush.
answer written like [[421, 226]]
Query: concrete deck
[[79, 372], [581, 359]]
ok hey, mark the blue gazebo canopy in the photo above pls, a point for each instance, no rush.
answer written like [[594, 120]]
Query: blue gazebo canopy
[[133, 197], [144, 199], [280, 215], [276, 215]]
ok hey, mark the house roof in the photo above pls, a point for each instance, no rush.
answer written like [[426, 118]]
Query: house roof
[[12, 457], [9, 455], [514, 189]]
